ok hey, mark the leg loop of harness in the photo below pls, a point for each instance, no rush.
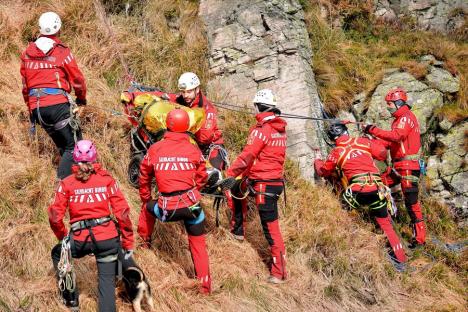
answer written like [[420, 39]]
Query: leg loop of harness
[[106, 259]]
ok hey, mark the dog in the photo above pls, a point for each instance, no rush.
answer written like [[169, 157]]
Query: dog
[[136, 286]]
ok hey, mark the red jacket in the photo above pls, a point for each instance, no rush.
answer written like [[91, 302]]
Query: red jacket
[[404, 139], [55, 69], [91, 200], [209, 132], [353, 156], [264, 155], [178, 165]]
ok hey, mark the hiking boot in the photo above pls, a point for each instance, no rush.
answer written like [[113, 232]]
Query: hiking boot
[[415, 245], [275, 280], [399, 266]]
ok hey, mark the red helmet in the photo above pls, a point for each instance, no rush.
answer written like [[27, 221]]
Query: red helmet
[[397, 94], [178, 120]]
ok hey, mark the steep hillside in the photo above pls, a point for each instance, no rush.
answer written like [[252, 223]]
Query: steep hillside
[[336, 260]]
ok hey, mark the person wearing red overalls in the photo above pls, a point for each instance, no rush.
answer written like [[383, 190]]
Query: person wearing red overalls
[[404, 142], [354, 160], [178, 167], [262, 162], [91, 197], [209, 138], [49, 72]]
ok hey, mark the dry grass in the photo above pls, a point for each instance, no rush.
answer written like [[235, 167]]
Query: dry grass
[[335, 259]]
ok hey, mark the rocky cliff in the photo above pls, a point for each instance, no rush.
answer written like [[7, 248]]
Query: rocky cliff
[[439, 15], [264, 44]]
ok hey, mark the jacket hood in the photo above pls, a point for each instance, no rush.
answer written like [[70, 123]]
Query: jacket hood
[[274, 121], [33, 50], [401, 111]]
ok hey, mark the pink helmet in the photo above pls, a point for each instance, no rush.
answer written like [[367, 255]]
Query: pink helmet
[[84, 151]]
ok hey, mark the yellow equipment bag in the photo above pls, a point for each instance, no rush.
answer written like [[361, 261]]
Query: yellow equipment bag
[[154, 111]]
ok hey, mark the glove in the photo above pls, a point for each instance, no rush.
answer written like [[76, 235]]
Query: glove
[[80, 102], [128, 254], [368, 128], [318, 163], [227, 183]]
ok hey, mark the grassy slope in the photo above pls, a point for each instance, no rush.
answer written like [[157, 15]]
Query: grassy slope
[[335, 259]]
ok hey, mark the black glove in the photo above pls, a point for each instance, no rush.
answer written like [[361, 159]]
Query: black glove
[[368, 128], [227, 183], [80, 102]]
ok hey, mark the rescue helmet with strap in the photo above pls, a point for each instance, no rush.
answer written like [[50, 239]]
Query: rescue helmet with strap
[[397, 96], [49, 23], [188, 81], [178, 120], [335, 130], [85, 151], [265, 101]]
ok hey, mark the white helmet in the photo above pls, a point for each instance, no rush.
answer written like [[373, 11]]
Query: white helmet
[[49, 23], [188, 81], [265, 96]]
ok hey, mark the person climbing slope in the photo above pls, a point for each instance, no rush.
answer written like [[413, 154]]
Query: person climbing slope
[[404, 142], [363, 186], [93, 199], [178, 167], [262, 162], [49, 72]]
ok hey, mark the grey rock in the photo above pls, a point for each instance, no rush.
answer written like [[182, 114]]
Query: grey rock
[[442, 80], [445, 125], [437, 15], [423, 99], [264, 44]]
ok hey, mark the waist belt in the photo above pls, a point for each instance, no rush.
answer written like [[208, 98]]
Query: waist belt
[[175, 193], [365, 178], [266, 181], [40, 92], [89, 223], [408, 157]]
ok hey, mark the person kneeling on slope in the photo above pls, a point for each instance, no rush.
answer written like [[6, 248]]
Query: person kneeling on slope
[[178, 166], [88, 193], [354, 160]]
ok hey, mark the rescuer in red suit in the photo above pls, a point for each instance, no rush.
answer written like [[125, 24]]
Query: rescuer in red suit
[[49, 72], [354, 160], [178, 166], [209, 138], [92, 196], [262, 162], [404, 142]]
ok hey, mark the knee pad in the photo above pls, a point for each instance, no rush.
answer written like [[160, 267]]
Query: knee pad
[[153, 208], [199, 219]]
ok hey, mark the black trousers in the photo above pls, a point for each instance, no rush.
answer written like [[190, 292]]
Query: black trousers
[[106, 270], [62, 138]]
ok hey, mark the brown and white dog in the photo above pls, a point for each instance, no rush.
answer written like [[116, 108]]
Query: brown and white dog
[[136, 286]]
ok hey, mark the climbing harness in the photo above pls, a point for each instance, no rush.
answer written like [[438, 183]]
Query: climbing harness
[[67, 278], [73, 120]]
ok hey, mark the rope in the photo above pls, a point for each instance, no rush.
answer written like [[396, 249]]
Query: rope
[[65, 267]]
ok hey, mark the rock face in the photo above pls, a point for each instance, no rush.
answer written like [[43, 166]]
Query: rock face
[[445, 143], [439, 15], [449, 171], [264, 44]]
